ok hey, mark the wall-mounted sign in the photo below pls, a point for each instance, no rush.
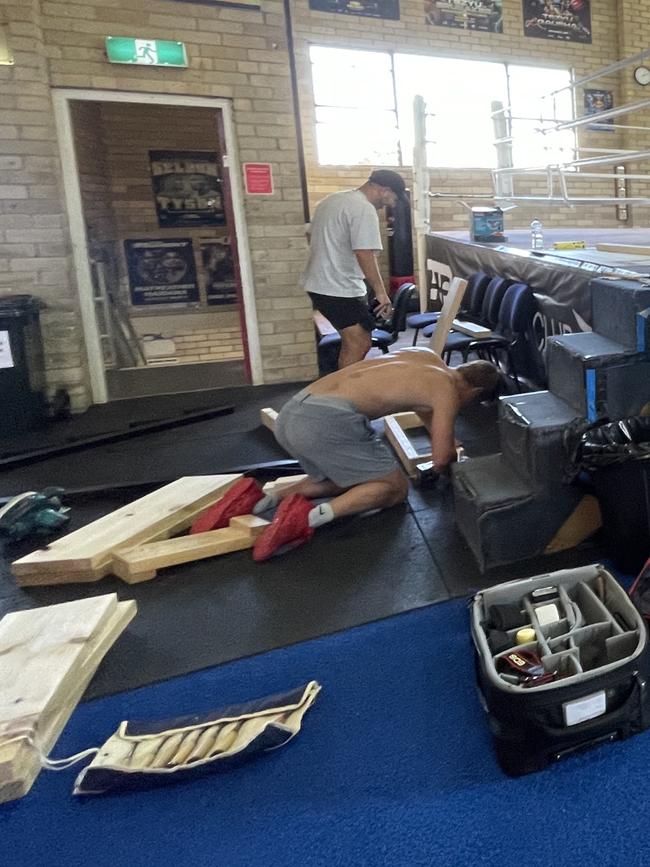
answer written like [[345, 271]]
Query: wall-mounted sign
[[219, 270], [486, 15], [145, 52], [388, 9], [567, 20], [597, 101], [258, 178], [187, 188], [161, 271]]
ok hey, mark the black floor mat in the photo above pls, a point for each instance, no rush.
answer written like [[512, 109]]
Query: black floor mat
[[212, 611]]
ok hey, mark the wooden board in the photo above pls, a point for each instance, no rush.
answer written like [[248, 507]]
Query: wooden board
[[448, 313], [472, 329], [87, 554], [268, 417], [141, 563], [395, 427], [323, 326], [624, 248], [49, 656], [283, 482]]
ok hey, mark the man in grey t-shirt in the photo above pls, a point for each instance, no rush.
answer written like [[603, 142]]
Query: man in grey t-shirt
[[345, 240]]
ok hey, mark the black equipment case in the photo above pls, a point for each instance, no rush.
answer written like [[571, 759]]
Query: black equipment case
[[580, 680]]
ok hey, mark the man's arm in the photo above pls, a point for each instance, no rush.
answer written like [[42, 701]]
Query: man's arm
[[367, 260], [443, 442]]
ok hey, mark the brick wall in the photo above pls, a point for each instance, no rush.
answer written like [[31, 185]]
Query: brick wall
[[235, 54], [413, 35], [240, 55], [34, 242]]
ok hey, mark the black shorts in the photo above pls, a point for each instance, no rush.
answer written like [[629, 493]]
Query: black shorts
[[344, 312]]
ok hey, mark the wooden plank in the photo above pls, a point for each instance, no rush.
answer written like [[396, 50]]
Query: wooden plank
[[60, 687], [87, 554], [268, 417], [283, 482], [323, 326], [448, 313], [624, 248], [472, 329], [395, 427], [141, 563]]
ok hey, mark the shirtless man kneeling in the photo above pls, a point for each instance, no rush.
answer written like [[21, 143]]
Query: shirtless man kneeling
[[326, 427]]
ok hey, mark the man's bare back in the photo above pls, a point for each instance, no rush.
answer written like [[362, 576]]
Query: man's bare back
[[414, 379]]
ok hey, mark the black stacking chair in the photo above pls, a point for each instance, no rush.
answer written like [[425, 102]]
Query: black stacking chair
[[485, 311], [382, 337], [513, 327], [476, 286]]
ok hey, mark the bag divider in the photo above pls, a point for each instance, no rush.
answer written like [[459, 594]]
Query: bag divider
[[593, 609]]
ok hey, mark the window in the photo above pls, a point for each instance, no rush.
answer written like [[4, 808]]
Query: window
[[364, 109], [528, 87], [356, 121]]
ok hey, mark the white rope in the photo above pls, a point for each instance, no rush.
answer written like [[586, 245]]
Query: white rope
[[46, 763]]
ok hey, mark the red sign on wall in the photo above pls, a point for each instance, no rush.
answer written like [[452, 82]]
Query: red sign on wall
[[258, 178]]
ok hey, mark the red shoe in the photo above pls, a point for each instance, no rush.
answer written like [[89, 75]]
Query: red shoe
[[289, 527], [238, 500]]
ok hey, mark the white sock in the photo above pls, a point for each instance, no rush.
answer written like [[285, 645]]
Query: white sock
[[269, 501], [319, 515]]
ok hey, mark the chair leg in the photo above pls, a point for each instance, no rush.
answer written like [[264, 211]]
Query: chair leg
[[415, 336], [513, 371]]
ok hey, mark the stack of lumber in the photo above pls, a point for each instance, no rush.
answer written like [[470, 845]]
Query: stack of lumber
[[102, 547], [47, 658]]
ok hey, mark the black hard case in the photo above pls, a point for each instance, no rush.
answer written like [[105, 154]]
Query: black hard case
[[528, 724]]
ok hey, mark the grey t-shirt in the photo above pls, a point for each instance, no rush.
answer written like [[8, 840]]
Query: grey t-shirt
[[342, 223]]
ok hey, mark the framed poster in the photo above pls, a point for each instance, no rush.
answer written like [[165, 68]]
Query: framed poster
[[187, 188], [161, 271], [388, 9], [597, 101], [219, 270], [567, 20], [486, 15]]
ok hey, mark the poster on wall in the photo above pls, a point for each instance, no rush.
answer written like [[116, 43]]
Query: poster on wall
[[161, 271], [567, 20], [485, 15], [219, 270], [187, 188], [388, 9], [597, 101]]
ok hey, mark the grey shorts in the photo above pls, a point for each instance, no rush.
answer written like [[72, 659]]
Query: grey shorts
[[331, 440]]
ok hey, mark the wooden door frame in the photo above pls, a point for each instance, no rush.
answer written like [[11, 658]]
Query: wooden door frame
[[62, 98]]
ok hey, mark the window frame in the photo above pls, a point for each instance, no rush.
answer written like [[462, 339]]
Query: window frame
[[391, 54]]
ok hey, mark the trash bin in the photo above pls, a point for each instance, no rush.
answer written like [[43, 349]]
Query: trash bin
[[22, 370], [617, 457]]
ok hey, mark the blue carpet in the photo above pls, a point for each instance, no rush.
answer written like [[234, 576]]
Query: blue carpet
[[394, 766]]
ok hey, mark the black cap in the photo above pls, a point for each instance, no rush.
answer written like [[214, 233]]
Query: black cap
[[386, 178]]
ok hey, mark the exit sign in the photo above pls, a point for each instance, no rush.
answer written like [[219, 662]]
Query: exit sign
[[145, 52]]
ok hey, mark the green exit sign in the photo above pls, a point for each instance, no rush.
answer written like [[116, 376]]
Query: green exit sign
[[145, 52]]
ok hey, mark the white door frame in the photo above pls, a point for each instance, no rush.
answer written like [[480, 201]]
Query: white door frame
[[62, 98]]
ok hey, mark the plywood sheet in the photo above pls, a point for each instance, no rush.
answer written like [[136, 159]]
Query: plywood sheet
[[49, 656]]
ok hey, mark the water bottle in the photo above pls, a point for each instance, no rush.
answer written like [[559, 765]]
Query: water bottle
[[536, 235]]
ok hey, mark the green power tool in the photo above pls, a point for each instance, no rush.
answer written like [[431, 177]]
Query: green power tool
[[33, 513]]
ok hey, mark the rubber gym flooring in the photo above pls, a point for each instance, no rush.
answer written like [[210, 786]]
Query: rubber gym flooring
[[201, 614]]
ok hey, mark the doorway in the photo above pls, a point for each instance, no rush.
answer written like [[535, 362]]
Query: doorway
[[160, 243]]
